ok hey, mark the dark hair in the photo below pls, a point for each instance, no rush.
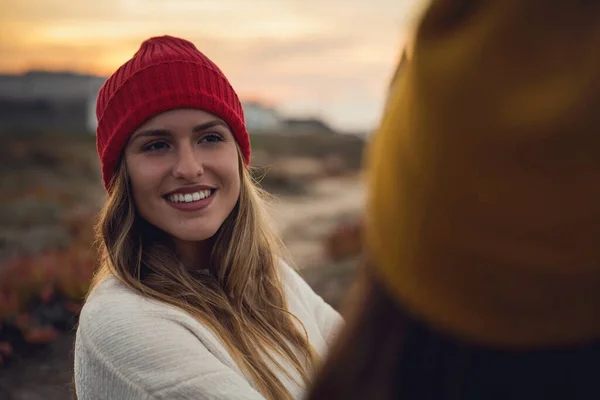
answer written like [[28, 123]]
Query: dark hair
[[384, 352]]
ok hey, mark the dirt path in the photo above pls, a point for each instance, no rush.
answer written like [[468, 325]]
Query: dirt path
[[305, 221]]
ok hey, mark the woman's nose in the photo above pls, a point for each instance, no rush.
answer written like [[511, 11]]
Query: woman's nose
[[188, 165]]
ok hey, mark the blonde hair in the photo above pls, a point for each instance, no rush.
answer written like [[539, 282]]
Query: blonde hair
[[241, 300]]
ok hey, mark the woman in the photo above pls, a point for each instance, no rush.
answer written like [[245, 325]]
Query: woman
[[483, 218], [192, 299]]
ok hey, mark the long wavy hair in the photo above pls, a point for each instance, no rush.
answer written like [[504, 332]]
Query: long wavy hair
[[241, 299]]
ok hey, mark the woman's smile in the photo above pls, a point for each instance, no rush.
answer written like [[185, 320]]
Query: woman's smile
[[190, 199]]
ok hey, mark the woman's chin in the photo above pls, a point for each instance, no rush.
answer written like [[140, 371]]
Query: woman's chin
[[193, 235]]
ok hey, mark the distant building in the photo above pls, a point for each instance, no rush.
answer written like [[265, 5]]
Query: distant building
[[49, 102], [261, 118], [306, 126]]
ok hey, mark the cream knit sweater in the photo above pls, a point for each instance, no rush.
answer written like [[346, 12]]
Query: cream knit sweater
[[130, 347]]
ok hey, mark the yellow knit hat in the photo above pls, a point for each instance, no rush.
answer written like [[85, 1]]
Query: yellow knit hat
[[483, 213]]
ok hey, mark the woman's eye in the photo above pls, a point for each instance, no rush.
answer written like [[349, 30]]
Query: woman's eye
[[155, 146], [211, 138]]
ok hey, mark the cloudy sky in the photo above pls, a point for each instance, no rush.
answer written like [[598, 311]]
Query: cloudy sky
[[321, 57]]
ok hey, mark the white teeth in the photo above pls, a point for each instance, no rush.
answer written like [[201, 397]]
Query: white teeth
[[189, 197]]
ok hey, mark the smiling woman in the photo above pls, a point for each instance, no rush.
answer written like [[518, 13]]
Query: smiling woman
[[184, 171], [192, 299]]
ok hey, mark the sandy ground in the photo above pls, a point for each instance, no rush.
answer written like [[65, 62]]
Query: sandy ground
[[303, 222]]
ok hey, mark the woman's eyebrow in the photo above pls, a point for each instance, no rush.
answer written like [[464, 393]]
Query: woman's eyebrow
[[166, 133], [210, 124], [151, 133]]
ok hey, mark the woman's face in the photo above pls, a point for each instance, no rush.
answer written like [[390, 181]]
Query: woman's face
[[184, 171]]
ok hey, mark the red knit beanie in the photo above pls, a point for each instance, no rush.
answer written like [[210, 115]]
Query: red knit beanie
[[166, 73]]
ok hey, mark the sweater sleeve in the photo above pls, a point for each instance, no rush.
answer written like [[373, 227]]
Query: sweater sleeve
[[124, 353], [328, 320]]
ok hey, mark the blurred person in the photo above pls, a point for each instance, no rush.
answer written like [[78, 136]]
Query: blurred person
[[482, 226], [193, 299]]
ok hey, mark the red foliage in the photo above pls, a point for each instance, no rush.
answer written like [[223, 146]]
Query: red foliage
[[59, 277], [345, 241], [40, 335]]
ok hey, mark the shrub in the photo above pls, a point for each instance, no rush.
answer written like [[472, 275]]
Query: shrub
[[345, 241], [41, 295]]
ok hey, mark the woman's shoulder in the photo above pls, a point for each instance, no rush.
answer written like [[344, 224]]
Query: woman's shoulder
[[130, 346], [290, 278], [308, 305], [114, 309], [111, 296], [297, 289]]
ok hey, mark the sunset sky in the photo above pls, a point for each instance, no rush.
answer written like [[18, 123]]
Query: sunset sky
[[331, 58]]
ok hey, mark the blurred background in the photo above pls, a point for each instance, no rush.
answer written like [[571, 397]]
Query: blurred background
[[313, 77]]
